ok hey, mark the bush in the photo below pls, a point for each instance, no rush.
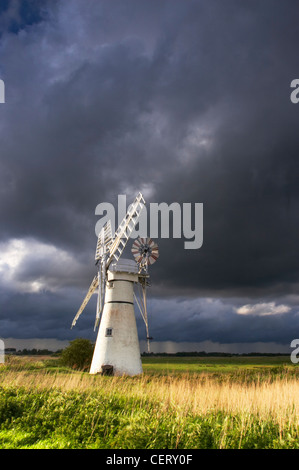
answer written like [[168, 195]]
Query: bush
[[78, 354]]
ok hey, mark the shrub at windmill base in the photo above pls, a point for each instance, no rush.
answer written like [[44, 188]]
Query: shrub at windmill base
[[78, 354]]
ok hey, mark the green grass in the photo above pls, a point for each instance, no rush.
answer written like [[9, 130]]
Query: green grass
[[53, 419], [237, 367], [129, 413], [188, 364]]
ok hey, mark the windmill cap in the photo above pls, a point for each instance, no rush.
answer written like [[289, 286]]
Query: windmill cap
[[124, 265]]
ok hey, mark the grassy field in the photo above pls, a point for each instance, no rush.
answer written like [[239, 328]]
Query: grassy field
[[178, 403], [213, 364]]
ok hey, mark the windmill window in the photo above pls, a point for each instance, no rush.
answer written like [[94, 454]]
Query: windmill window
[[110, 285], [108, 331]]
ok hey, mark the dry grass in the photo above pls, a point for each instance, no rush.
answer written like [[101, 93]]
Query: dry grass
[[203, 410], [198, 394]]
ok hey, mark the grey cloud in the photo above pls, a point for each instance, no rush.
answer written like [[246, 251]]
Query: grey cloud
[[191, 99]]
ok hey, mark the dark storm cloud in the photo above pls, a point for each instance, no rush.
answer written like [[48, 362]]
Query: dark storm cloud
[[188, 100], [247, 179]]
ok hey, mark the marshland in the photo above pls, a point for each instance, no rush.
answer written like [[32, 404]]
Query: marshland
[[177, 403]]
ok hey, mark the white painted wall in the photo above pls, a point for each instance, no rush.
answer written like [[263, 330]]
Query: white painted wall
[[121, 350]]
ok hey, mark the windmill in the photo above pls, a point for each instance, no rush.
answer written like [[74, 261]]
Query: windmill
[[117, 349]]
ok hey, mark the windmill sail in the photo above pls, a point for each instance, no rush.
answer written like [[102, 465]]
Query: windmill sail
[[125, 229], [91, 290], [104, 241], [110, 248]]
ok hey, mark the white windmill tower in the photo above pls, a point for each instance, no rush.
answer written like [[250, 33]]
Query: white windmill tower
[[117, 350]]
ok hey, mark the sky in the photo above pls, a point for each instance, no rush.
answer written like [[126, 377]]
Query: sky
[[187, 102]]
